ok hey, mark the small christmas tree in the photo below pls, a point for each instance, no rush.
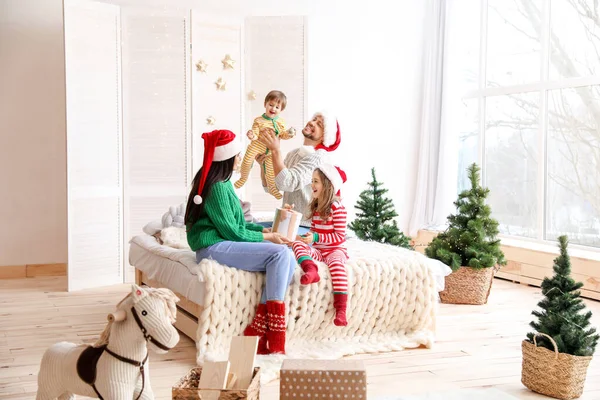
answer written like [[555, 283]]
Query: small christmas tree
[[373, 222], [470, 240], [560, 317]]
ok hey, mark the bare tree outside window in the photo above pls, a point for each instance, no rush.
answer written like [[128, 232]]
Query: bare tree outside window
[[526, 101]]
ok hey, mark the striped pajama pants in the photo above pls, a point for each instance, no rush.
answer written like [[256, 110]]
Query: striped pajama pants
[[335, 258]]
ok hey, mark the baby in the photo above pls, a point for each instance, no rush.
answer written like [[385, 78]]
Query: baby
[[275, 103]]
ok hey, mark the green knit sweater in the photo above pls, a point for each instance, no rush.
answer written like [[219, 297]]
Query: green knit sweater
[[222, 219]]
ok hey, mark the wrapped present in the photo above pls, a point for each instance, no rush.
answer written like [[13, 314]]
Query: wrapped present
[[287, 223], [323, 379]]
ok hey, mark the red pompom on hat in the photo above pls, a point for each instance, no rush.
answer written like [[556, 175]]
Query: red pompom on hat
[[219, 145]]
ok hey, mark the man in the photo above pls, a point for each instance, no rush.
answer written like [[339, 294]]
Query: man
[[293, 175]]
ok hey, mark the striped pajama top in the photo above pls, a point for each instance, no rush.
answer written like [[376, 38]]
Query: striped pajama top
[[332, 231]]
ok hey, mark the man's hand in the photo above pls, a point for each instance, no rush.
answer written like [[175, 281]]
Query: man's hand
[[261, 158], [266, 230], [269, 139]]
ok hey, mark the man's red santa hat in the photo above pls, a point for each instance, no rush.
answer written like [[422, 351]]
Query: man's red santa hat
[[219, 145], [331, 131]]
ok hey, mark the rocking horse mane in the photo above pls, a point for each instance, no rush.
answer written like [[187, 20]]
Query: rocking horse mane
[[169, 300]]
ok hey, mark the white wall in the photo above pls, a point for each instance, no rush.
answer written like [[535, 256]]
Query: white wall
[[367, 69], [33, 191], [364, 67]]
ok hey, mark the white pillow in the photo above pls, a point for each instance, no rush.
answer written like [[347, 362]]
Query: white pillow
[[152, 228], [174, 217], [174, 237]]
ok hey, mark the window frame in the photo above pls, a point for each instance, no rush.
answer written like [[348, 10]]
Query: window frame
[[542, 87]]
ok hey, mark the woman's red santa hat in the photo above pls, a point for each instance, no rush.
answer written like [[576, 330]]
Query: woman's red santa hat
[[336, 176], [219, 145], [331, 131]]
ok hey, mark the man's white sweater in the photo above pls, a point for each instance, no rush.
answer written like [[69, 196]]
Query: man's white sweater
[[296, 178]]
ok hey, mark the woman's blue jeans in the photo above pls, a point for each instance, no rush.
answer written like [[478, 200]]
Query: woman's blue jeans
[[276, 260]]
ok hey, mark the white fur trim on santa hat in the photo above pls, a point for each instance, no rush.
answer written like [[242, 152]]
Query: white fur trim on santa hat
[[330, 123], [333, 175], [228, 150]]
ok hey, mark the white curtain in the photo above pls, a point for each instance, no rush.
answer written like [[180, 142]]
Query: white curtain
[[437, 174]]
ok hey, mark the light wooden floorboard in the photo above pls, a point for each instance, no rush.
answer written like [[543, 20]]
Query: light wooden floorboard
[[477, 346]]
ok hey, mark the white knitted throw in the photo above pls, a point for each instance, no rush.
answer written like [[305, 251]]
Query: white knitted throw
[[392, 306]]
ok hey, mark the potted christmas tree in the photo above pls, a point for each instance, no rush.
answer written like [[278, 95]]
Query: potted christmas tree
[[557, 355], [469, 246], [376, 220]]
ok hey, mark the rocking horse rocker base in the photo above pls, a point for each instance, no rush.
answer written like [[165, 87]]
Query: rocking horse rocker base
[[116, 366]]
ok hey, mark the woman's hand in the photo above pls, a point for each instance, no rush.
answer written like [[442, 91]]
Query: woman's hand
[[266, 230], [276, 238], [269, 139]]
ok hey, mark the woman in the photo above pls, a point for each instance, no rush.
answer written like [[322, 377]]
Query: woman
[[216, 229]]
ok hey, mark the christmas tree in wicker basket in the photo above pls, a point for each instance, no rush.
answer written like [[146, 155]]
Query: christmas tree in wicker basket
[[469, 246], [557, 355]]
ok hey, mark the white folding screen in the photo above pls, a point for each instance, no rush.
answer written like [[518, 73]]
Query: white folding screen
[[92, 61], [133, 96], [213, 39], [274, 52], [156, 119]]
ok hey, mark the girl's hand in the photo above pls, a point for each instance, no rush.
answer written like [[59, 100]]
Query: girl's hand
[[266, 230], [276, 238], [251, 135], [306, 239]]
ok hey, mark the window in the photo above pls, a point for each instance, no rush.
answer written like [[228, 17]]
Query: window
[[529, 101]]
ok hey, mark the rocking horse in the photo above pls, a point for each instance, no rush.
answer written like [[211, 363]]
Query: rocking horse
[[116, 366]]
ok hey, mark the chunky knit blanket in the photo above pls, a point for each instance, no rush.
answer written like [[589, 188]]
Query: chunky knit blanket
[[392, 306], [392, 303]]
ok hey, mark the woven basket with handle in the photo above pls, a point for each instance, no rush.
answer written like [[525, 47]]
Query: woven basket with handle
[[468, 285], [552, 373]]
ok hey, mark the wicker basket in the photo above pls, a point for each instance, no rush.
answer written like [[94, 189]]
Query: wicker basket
[[468, 286], [187, 388], [553, 374]]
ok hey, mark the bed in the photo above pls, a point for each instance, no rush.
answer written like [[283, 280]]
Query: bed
[[393, 300]]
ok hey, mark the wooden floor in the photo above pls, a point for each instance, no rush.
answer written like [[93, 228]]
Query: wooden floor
[[477, 346]]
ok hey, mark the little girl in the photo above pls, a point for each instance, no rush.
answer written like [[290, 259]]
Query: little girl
[[327, 236]]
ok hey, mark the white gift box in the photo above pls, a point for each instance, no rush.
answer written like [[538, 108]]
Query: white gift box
[[287, 226]]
